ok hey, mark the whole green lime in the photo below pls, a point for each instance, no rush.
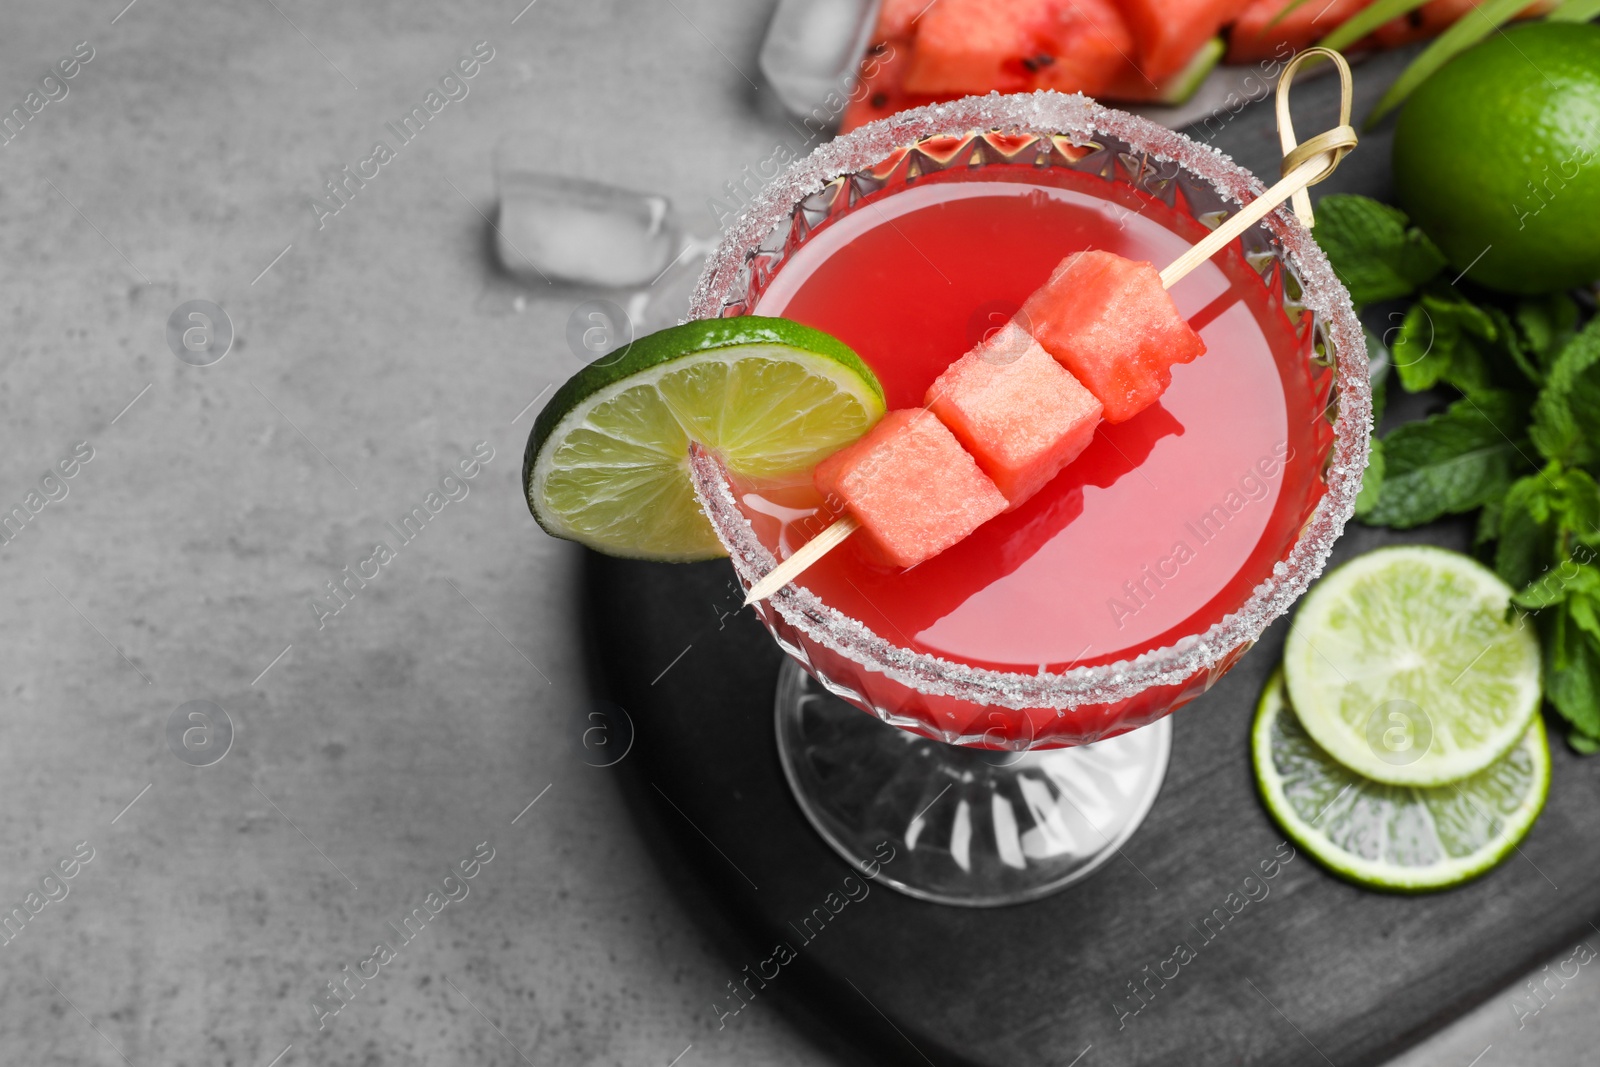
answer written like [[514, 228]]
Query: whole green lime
[[1497, 158]]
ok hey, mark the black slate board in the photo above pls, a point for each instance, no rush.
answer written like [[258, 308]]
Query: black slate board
[[1317, 971]]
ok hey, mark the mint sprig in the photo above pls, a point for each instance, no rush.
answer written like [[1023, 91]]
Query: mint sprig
[[1446, 338], [1566, 417], [1453, 462], [1374, 249], [1518, 442]]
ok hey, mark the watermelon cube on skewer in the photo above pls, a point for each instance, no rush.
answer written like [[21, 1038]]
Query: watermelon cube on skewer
[[1110, 322], [911, 485], [1019, 413]]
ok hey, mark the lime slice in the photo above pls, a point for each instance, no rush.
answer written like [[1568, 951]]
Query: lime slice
[[1405, 667], [1394, 837], [607, 463]]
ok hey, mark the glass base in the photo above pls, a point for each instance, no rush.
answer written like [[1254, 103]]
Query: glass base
[[975, 827]]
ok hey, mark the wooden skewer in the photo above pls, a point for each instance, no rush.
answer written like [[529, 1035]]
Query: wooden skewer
[[804, 556], [1258, 209], [1303, 165]]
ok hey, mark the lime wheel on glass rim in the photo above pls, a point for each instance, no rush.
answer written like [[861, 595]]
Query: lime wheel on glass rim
[[607, 462]]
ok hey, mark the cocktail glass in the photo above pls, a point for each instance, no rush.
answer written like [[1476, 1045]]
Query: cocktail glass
[[992, 787]]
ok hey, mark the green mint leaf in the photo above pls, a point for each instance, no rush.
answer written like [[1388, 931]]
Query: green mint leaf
[[1374, 249], [1547, 323], [1489, 525], [1540, 518], [1572, 672], [1510, 343], [1371, 481], [1447, 338], [1583, 744], [1452, 462], [1417, 357], [1581, 609], [1566, 417], [1557, 585], [1526, 545], [1579, 505]]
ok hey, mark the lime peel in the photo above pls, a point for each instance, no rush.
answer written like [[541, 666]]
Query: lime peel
[[607, 461]]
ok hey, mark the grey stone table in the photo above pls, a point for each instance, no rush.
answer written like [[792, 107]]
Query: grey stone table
[[255, 794]]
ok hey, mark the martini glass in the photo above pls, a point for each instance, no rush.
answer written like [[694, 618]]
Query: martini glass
[[985, 782]]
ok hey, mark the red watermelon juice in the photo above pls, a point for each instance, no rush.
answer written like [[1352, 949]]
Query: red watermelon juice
[[1161, 527]]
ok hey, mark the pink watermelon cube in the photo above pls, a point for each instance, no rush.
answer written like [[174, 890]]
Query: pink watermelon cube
[[911, 485], [1019, 412], [1108, 321]]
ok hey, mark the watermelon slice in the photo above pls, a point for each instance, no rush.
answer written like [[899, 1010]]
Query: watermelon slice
[[975, 46], [1109, 322], [1255, 37], [1132, 86], [1169, 32], [881, 92], [1432, 19], [899, 18], [1019, 412], [911, 485]]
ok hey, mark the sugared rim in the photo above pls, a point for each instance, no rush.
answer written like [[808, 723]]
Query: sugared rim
[[1046, 114]]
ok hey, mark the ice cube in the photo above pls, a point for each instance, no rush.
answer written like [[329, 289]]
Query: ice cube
[[558, 228], [813, 48]]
